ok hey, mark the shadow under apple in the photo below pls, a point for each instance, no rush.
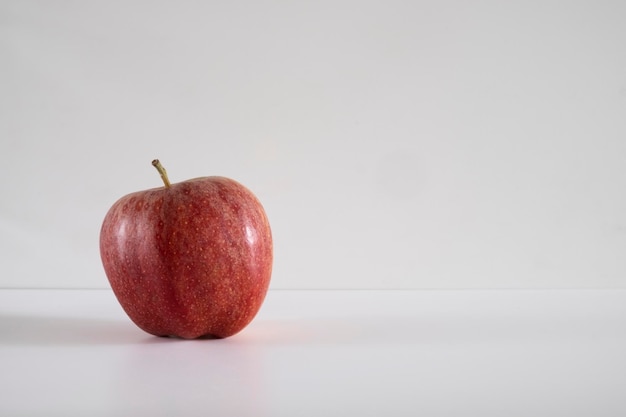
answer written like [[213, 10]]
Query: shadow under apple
[[59, 331]]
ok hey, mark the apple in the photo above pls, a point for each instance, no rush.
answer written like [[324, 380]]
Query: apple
[[190, 259]]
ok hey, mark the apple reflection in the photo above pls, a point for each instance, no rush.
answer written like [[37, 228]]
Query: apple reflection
[[172, 377]]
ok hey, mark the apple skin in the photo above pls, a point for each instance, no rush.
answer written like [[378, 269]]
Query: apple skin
[[191, 259]]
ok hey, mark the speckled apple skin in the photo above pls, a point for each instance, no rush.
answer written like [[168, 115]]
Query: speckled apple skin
[[191, 260]]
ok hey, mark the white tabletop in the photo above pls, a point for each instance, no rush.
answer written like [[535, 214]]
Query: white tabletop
[[323, 353]]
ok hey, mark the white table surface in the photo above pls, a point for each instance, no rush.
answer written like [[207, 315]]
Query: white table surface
[[323, 353]]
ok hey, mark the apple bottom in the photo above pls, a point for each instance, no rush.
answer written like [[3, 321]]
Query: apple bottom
[[192, 315]]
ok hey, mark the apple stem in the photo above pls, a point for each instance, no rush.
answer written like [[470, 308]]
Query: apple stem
[[157, 164]]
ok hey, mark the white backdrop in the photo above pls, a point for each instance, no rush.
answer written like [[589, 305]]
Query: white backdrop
[[394, 144]]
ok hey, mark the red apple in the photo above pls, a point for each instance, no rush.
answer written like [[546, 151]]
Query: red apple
[[190, 259]]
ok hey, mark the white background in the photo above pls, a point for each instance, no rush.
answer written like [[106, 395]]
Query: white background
[[416, 144], [487, 353]]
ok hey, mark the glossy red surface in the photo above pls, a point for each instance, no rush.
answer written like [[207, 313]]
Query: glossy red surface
[[191, 260]]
